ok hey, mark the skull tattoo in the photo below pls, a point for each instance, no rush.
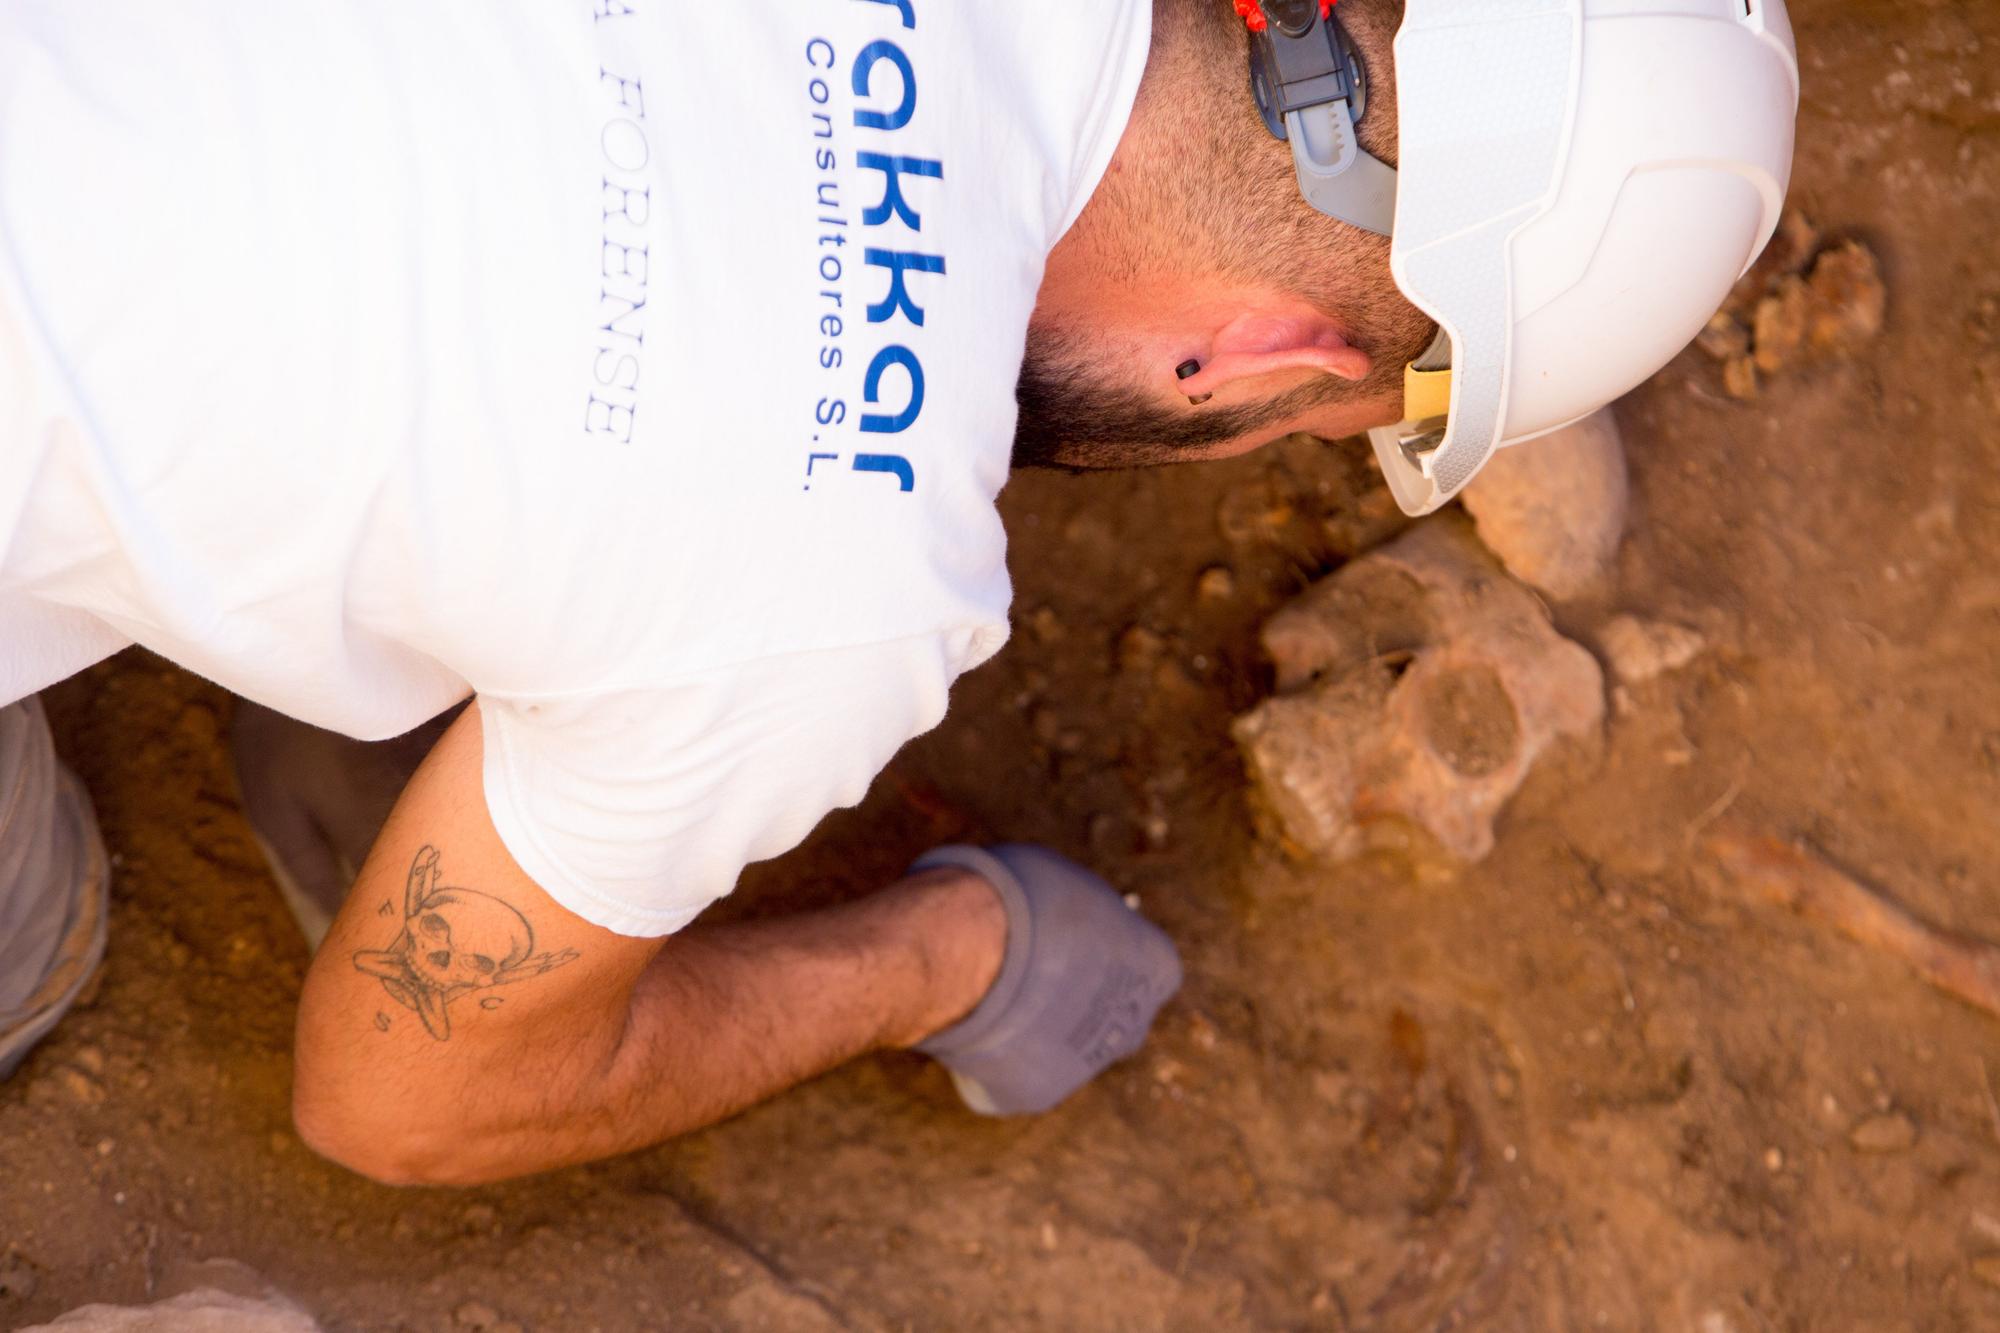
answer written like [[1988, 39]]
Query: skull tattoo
[[454, 942]]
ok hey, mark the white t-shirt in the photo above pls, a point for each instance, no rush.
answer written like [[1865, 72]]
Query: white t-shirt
[[643, 366]]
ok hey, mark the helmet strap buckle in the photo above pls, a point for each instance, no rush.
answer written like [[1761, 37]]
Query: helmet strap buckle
[[1312, 90]]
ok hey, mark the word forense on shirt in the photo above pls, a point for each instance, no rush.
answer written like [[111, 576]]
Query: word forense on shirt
[[882, 323], [624, 253]]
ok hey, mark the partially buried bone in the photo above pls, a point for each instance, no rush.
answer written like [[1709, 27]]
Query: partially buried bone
[[1419, 682], [1788, 875]]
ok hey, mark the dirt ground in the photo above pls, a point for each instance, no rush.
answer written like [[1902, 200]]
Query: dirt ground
[[1588, 1083]]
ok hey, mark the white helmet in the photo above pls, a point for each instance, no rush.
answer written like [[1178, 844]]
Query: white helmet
[[1581, 182]]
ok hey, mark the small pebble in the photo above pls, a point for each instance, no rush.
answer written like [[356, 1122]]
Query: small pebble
[[1140, 649], [79, 1086], [1739, 378], [476, 1315], [1216, 584], [1774, 1160], [1883, 1133]]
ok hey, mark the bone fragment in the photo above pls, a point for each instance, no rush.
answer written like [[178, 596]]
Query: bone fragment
[[1419, 684], [1788, 875]]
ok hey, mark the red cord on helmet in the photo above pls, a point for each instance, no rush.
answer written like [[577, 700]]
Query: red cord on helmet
[[1252, 13]]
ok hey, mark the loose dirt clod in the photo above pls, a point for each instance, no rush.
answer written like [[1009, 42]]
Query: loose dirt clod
[[1724, 338], [1418, 683], [1553, 509], [1791, 248], [1790, 876], [1739, 378], [1797, 304], [1847, 300], [1780, 327]]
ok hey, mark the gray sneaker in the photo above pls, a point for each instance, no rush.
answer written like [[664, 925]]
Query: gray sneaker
[[1083, 977], [55, 884]]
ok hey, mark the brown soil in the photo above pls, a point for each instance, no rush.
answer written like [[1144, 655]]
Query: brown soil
[[1589, 1083]]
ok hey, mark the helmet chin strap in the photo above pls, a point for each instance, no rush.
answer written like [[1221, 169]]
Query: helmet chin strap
[[1312, 90]]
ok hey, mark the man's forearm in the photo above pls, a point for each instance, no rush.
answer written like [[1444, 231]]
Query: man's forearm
[[722, 1017], [727, 1015]]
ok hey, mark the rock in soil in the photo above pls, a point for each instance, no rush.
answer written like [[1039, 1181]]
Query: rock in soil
[[1418, 683], [1883, 1133], [1216, 584], [1553, 509], [475, 1315], [1639, 650], [204, 1310]]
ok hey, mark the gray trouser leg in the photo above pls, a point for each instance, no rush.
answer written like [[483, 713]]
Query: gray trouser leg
[[316, 800], [54, 883]]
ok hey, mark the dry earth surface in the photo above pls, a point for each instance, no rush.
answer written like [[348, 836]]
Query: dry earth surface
[[1589, 1083]]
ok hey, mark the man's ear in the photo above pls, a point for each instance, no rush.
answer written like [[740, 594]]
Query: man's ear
[[1257, 344]]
